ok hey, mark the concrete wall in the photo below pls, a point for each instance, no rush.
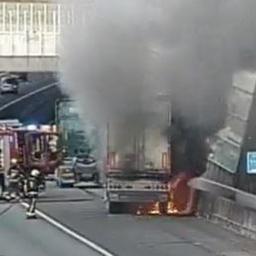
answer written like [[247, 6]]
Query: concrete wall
[[223, 211], [217, 173], [227, 213], [29, 64]]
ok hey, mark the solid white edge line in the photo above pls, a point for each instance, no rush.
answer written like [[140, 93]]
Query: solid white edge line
[[44, 88], [71, 233]]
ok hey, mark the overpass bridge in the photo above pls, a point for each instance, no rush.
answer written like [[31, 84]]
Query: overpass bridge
[[30, 34]]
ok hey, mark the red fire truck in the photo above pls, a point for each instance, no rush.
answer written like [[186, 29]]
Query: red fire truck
[[37, 148], [33, 148]]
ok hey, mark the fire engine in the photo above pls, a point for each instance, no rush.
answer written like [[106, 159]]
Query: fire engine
[[32, 146], [37, 148], [8, 145]]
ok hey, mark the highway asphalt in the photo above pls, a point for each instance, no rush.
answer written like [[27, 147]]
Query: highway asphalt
[[22, 237], [128, 235]]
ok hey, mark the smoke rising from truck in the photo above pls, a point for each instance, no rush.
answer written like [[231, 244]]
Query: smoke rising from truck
[[107, 65], [119, 55]]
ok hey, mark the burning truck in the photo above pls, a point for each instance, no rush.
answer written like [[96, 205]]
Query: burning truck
[[141, 176], [138, 163]]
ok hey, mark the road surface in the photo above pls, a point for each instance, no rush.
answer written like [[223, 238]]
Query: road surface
[[39, 108], [21, 237], [128, 235]]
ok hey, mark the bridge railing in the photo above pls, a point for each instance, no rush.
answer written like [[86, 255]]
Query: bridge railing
[[29, 29], [34, 29]]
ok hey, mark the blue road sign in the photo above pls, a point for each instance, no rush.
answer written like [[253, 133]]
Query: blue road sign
[[251, 162]]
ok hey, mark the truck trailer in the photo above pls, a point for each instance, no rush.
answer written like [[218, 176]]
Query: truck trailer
[[138, 165]]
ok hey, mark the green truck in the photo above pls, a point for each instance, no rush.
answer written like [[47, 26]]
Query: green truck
[[78, 138]]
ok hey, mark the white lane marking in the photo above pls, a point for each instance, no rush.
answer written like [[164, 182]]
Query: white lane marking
[[71, 233], [44, 88]]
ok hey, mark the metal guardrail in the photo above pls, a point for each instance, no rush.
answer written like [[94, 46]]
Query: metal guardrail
[[34, 28], [220, 190], [29, 29]]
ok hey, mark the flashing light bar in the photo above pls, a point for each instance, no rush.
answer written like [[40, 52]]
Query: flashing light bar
[[31, 127], [45, 128], [10, 123]]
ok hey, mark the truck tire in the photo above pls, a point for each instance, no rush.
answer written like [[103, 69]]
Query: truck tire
[[59, 184], [96, 178], [43, 185], [114, 208], [163, 208], [77, 178]]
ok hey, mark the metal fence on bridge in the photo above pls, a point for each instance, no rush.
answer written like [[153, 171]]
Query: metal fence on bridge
[[31, 29]]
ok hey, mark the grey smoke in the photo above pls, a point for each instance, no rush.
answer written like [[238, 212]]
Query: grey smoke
[[110, 66], [120, 54]]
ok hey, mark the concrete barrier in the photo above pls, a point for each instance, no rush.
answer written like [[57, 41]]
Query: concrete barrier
[[242, 198], [228, 214], [232, 208], [212, 187]]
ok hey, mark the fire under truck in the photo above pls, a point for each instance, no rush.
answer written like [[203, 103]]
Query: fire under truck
[[140, 175]]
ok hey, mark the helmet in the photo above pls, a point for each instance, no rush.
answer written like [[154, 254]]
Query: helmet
[[35, 173], [14, 161], [14, 174]]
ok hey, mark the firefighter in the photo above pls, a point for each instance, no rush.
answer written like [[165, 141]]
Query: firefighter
[[14, 173], [33, 189], [2, 178], [74, 159], [74, 164], [2, 181]]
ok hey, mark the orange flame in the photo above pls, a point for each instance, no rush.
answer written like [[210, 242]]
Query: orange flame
[[155, 209], [171, 209]]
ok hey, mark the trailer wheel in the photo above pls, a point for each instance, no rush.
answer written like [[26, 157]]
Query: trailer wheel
[[163, 208], [114, 208], [96, 178], [59, 184]]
